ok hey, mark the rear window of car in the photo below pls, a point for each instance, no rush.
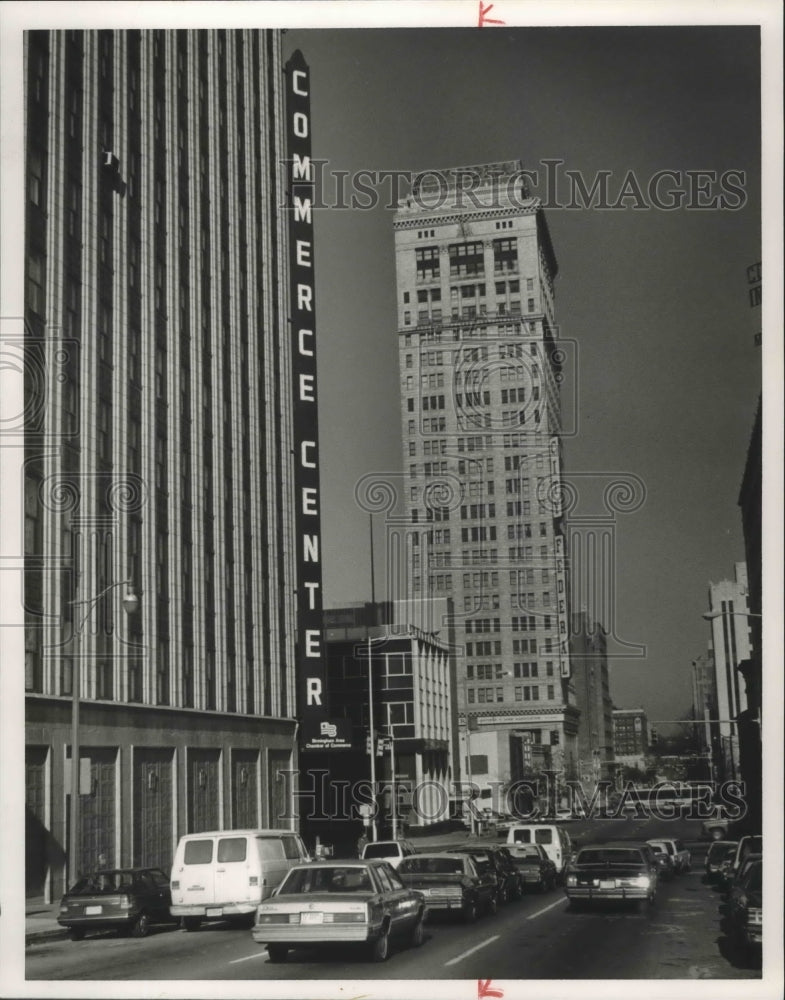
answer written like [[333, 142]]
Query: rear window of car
[[613, 857], [232, 849], [198, 852], [431, 866], [336, 879], [382, 851]]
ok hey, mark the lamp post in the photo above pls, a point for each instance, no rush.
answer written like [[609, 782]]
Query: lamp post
[[130, 605], [372, 733]]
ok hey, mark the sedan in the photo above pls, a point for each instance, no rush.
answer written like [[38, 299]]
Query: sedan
[[610, 872], [488, 858], [127, 899], [449, 883], [535, 866], [340, 902]]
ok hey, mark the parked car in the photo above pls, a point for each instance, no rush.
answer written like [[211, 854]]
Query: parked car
[[745, 907], [535, 867], [678, 852], [612, 872], [338, 902], [734, 878], [553, 839], [750, 844], [392, 851], [507, 874], [450, 883], [227, 873], [126, 899], [662, 858], [718, 852]]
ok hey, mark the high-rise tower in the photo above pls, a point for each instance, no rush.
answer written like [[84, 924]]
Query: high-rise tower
[[158, 442], [479, 369]]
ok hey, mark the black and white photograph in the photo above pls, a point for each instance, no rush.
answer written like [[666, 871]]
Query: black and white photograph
[[391, 490]]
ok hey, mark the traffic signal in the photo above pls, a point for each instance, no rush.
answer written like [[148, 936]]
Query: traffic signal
[[368, 744], [654, 738]]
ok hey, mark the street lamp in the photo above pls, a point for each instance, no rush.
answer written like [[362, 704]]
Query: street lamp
[[130, 605], [372, 732]]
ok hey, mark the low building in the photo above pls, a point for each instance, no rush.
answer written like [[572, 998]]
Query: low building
[[392, 692], [630, 737]]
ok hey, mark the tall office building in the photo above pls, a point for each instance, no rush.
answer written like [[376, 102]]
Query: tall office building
[[158, 441], [589, 655], [481, 423]]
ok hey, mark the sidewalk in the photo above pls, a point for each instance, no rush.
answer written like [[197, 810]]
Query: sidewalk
[[41, 923]]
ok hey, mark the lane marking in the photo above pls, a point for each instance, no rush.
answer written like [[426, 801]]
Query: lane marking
[[546, 908], [471, 951], [259, 954]]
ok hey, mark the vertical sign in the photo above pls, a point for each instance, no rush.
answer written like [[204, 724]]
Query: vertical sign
[[311, 672]]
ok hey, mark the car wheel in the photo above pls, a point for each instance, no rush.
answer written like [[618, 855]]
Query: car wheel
[[277, 952], [418, 931], [380, 950], [141, 926], [492, 905], [192, 923], [76, 933], [469, 911]]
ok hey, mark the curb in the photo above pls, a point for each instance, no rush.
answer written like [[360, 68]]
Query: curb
[[48, 934]]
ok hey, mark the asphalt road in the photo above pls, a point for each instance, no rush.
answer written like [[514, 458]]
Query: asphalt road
[[533, 938]]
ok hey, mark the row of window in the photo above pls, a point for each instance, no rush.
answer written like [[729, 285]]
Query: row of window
[[527, 692], [440, 333]]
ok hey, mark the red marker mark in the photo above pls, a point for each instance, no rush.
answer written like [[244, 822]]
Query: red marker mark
[[484, 989], [482, 21]]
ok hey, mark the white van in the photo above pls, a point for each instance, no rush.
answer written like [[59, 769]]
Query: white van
[[227, 873], [555, 841]]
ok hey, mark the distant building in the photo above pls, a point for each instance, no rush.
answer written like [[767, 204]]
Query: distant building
[[630, 736], [704, 698], [730, 645], [589, 658], [481, 423]]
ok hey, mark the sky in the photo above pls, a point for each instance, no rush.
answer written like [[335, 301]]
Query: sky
[[653, 302]]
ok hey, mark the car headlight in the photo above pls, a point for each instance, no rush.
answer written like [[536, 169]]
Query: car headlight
[[642, 881], [572, 880]]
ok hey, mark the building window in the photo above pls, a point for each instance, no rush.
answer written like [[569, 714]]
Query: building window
[[36, 297]]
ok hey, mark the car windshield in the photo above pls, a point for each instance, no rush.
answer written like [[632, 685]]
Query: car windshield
[[381, 850], [354, 878], [431, 866], [104, 882], [609, 856]]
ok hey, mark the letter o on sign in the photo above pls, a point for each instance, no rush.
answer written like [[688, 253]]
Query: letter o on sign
[[300, 125]]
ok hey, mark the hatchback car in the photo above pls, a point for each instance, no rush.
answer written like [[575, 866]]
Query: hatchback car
[[126, 899]]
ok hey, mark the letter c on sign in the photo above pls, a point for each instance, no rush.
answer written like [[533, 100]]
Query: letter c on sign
[[298, 73]]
